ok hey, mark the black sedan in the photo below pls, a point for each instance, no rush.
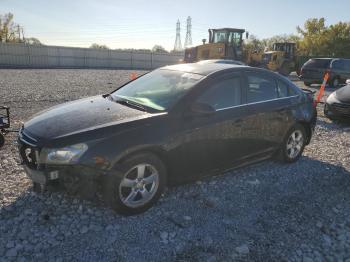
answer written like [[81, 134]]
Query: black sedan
[[337, 105], [174, 124]]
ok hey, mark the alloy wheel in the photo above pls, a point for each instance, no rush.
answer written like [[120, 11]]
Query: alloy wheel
[[139, 185], [295, 144]]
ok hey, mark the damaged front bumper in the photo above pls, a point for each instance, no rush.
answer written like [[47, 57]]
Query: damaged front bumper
[[77, 179]]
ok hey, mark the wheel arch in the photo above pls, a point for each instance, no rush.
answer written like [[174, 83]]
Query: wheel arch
[[158, 151], [308, 130]]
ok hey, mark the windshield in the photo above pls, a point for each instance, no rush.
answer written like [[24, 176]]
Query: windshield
[[220, 37], [266, 58], [158, 90], [223, 36]]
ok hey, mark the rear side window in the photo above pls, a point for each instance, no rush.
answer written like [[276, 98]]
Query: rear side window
[[318, 63], [260, 88], [223, 94]]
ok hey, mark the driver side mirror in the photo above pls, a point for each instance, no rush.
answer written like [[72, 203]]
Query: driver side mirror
[[201, 109]]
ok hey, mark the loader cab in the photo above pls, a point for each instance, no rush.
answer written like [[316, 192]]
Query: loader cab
[[228, 36], [224, 43], [287, 48]]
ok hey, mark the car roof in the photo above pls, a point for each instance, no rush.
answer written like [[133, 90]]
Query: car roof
[[202, 69], [223, 61], [322, 58]]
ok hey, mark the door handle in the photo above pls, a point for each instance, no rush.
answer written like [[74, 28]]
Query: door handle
[[238, 122]]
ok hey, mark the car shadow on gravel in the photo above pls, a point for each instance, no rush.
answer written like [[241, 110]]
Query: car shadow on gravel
[[263, 212], [334, 124]]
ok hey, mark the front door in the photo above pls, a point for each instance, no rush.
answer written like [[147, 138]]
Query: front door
[[215, 141]]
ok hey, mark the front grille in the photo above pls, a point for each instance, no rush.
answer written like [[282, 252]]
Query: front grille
[[341, 108], [28, 150]]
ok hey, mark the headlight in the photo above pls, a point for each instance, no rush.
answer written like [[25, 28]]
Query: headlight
[[332, 98], [65, 155]]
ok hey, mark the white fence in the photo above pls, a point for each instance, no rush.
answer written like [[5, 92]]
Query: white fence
[[29, 56]]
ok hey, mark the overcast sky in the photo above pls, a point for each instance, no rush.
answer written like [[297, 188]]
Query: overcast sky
[[142, 24]]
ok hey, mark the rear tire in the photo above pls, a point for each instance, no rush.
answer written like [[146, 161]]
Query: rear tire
[[136, 184], [293, 144]]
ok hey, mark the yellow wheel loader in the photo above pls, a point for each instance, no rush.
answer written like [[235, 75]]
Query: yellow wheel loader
[[224, 43], [281, 59]]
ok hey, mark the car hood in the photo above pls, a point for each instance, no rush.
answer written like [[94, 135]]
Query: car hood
[[79, 116], [343, 94]]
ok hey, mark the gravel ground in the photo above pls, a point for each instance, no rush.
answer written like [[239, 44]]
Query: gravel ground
[[265, 212]]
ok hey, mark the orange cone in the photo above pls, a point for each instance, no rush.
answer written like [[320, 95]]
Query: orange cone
[[133, 76], [323, 86]]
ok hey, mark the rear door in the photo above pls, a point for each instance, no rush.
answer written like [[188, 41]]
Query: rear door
[[270, 107]]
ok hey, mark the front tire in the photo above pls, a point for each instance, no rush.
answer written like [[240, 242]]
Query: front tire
[[293, 145], [136, 184]]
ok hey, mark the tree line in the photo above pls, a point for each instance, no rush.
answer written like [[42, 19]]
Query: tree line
[[314, 38], [10, 32]]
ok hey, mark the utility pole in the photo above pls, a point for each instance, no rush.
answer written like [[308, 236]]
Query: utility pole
[[19, 33], [188, 41], [23, 35], [178, 46]]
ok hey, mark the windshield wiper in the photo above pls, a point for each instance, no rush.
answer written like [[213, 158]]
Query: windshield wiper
[[109, 96], [130, 104]]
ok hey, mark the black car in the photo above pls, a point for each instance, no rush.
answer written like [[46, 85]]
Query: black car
[[313, 71], [172, 125], [337, 105]]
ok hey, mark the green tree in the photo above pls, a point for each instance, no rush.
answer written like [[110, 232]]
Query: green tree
[[159, 49], [337, 42], [313, 37], [98, 46], [32, 41], [253, 44], [268, 42], [9, 31], [321, 40]]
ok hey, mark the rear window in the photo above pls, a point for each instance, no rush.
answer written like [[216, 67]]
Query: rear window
[[318, 63]]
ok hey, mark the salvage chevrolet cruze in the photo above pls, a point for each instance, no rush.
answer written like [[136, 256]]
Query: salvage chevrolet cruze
[[172, 125]]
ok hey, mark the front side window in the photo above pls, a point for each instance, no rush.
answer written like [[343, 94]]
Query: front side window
[[158, 90], [318, 63], [337, 64], [224, 94], [347, 64], [260, 88]]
